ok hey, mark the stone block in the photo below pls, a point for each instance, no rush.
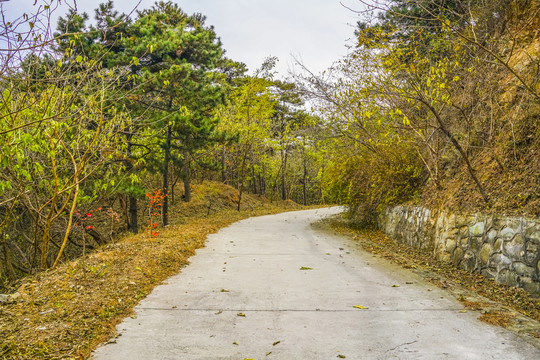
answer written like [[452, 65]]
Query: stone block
[[497, 224], [484, 253], [469, 261], [519, 239], [445, 257], [530, 285], [530, 258], [477, 229], [476, 244], [457, 256], [492, 234], [533, 234], [507, 277], [489, 274], [498, 246], [507, 233], [523, 270], [500, 260], [514, 251], [450, 245], [532, 248], [461, 221], [463, 231], [452, 232]]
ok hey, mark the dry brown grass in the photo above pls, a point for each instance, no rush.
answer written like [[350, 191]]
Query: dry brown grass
[[65, 313], [497, 318], [474, 305]]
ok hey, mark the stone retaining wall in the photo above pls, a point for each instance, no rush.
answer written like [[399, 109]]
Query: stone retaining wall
[[504, 248]]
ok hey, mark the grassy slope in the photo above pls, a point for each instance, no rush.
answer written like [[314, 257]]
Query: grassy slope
[[66, 312]]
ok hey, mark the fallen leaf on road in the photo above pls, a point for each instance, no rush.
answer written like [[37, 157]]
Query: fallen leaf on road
[[241, 314], [235, 343], [223, 290], [395, 285], [306, 268], [219, 312], [268, 353], [277, 342], [462, 311], [341, 356], [360, 307]]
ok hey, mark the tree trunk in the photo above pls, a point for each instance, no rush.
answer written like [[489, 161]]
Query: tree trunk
[[186, 176], [304, 182], [166, 161], [242, 176], [173, 186], [133, 225], [223, 164], [254, 180], [283, 170], [7, 262], [132, 212], [100, 240], [462, 152], [262, 186]]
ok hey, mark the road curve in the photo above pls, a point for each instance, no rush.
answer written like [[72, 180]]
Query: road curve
[[273, 287]]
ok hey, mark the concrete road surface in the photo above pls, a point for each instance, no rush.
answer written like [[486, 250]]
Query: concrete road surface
[[273, 287]]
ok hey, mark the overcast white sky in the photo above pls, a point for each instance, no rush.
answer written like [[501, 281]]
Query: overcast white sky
[[317, 31]]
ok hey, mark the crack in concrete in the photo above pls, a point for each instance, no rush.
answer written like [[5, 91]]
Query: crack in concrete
[[400, 345], [301, 310]]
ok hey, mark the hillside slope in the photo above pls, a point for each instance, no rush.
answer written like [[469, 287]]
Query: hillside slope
[[66, 312]]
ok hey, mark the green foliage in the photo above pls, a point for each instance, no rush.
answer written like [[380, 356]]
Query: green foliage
[[369, 182]]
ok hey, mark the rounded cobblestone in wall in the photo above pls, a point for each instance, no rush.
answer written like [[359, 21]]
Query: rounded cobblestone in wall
[[532, 253], [513, 250], [445, 257], [500, 261], [469, 260], [484, 253], [457, 256], [529, 285], [498, 246], [492, 234], [464, 231], [533, 234], [477, 229], [489, 273], [450, 245], [519, 239], [522, 269], [507, 277], [476, 244], [507, 233]]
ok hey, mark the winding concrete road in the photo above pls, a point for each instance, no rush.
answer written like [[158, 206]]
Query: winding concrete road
[[273, 287]]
